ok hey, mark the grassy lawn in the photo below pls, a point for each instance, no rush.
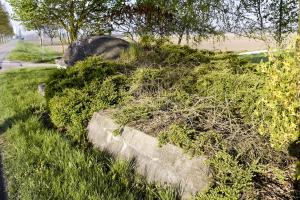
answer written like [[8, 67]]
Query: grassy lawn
[[40, 163], [30, 52]]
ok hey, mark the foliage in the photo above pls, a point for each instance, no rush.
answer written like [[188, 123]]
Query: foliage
[[195, 19], [74, 95], [76, 15], [82, 74], [5, 26], [263, 18], [230, 178], [215, 108], [151, 52], [210, 106], [278, 105], [40, 163], [30, 52]]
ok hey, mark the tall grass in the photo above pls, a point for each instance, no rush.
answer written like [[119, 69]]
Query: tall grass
[[40, 163]]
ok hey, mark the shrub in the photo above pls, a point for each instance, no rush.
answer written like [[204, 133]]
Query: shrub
[[136, 112], [278, 105], [231, 180], [76, 93], [72, 109], [94, 68], [153, 81], [238, 92], [158, 53]]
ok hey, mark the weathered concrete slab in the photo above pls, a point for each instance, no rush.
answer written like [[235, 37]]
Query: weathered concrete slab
[[167, 164]]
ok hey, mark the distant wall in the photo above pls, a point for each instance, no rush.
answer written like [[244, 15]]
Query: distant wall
[[167, 164]]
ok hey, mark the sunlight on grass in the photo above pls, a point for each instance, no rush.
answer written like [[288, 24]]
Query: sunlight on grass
[[40, 163], [30, 52]]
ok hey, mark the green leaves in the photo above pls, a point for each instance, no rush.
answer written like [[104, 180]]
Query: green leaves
[[5, 26]]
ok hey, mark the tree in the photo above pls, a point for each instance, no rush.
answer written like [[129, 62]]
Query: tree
[[194, 18], [51, 32], [197, 18], [261, 19], [71, 15], [6, 29]]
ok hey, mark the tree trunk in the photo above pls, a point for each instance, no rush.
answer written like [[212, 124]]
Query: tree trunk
[[62, 43], [279, 34], [188, 37], [180, 37], [73, 33]]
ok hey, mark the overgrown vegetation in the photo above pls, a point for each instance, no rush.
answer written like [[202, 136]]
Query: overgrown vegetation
[[30, 52], [242, 116], [41, 163]]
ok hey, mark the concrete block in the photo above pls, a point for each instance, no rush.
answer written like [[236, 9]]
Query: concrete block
[[166, 164]]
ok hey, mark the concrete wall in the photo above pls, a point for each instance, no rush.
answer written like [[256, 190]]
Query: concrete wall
[[167, 164]]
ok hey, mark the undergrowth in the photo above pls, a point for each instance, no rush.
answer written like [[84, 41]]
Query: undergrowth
[[240, 115]]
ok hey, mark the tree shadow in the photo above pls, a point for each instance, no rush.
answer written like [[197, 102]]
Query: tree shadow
[[3, 192], [25, 114]]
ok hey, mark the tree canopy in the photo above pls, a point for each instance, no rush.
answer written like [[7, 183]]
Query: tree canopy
[[263, 19], [196, 19], [72, 16], [5, 26]]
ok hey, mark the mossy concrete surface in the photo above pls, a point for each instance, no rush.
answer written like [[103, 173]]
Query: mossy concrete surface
[[166, 164]]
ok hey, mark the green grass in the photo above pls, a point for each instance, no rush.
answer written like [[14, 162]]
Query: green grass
[[256, 58], [30, 52], [40, 163]]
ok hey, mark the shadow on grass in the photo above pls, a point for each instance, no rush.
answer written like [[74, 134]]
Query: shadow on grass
[[3, 192], [23, 115]]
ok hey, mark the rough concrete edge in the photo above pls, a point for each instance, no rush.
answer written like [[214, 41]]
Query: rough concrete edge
[[108, 115]]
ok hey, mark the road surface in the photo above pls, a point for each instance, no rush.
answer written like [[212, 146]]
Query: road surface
[[5, 49]]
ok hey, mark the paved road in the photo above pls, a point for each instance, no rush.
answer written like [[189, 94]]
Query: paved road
[[6, 48]]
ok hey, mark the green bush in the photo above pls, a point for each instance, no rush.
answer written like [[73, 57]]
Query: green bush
[[204, 102], [278, 105], [73, 108], [231, 180], [215, 109], [94, 68], [238, 92], [161, 54]]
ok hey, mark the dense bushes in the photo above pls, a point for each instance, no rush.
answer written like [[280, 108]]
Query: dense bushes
[[216, 108], [206, 103], [75, 94], [165, 54], [82, 74], [278, 106]]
